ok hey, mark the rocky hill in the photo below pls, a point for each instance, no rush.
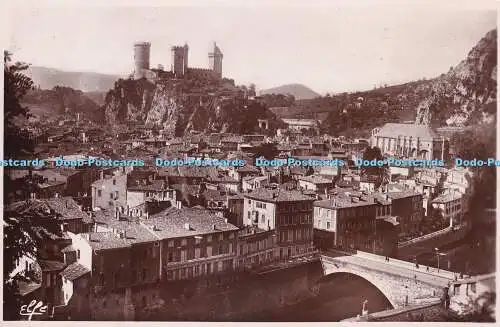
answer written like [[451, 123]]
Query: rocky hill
[[178, 106], [298, 91], [60, 100], [466, 94]]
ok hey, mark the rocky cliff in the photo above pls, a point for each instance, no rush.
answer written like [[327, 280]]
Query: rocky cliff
[[467, 93], [179, 106]]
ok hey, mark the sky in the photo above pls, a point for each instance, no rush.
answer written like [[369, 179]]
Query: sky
[[335, 48]]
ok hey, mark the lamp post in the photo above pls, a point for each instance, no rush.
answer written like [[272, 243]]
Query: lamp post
[[437, 255]]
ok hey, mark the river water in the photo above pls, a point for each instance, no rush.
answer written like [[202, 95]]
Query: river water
[[341, 295]]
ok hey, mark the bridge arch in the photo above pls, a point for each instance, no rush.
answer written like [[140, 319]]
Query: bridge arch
[[382, 287]]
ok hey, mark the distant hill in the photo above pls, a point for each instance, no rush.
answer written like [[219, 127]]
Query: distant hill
[[299, 91], [48, 78], [464, 95], [60, 100]]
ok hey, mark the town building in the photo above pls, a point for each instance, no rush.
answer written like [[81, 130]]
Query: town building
[[289, 213], [410, 141], [449, 207]]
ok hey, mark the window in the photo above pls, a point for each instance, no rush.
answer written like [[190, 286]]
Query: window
[[78, 254], [114, 181], [101, 278], [473, 287], [99, 193], [327, 225], [183, 242], [111, 195]]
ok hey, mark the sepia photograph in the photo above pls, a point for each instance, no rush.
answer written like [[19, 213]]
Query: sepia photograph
[[250, 161]]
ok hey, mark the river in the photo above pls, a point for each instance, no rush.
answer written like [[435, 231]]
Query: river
[[341, 295]]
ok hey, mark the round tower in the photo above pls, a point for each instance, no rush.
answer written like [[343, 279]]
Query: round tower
[[141, 58]]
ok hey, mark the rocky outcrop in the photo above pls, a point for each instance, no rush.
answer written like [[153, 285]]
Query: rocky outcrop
[[467, 93], [177, 107]]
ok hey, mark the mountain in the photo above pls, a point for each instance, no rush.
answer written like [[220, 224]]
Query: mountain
[[464, 95], [467, 93], [60, 100], [299, 91], [48, 78]]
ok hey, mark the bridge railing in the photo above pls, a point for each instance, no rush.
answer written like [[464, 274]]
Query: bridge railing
[[424, 237], [409, 265]]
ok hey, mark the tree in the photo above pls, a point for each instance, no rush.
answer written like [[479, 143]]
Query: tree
[[382, 173], [267, 150], [27, 226], [17, 142]]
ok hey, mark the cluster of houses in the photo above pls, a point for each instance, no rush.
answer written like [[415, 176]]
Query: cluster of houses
[[128, 228]]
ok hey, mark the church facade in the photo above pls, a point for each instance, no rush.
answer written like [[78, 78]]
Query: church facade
[[410, 141]]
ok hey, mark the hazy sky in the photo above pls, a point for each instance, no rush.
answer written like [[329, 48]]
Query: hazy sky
[[328, 48]]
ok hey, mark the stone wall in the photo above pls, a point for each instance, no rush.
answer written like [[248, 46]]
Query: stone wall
[[221, 298], [399, 290]]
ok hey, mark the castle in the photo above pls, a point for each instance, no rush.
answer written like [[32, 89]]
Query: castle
[[179, 66]]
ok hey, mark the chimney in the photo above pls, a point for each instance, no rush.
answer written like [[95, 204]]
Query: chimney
[[187, 226]]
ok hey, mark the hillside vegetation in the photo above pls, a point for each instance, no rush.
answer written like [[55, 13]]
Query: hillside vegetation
[[464, 95]]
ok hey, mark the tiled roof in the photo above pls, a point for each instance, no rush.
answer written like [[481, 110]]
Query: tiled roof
[[68, 249], [157, 185], [402, 194], [344, 200], [443, 198], [276, 195], [171, 223], [74, 271], [315, 179], [49, 265], [27, 288], [65, 206], [394, 130]]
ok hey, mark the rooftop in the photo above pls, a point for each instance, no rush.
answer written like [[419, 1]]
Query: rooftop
[[74, 271], [443, 198], [172, 223], [277, 195], [394, 130]]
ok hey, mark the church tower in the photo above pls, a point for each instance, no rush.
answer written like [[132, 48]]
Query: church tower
[[215, 60]]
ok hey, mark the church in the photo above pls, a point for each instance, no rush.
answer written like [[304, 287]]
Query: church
[[411, 141]]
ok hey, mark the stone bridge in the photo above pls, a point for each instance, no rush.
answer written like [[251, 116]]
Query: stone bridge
[[401, 282]]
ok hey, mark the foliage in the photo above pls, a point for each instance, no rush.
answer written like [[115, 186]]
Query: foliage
[[479, 143], [278, 100], [17, 142], [65, 98], [27, 226], [381, 173], [267, 150]]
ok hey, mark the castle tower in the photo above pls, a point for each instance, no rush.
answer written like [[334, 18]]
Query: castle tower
[[215, 60], [141, 58], [186, 56], [179, 60]]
